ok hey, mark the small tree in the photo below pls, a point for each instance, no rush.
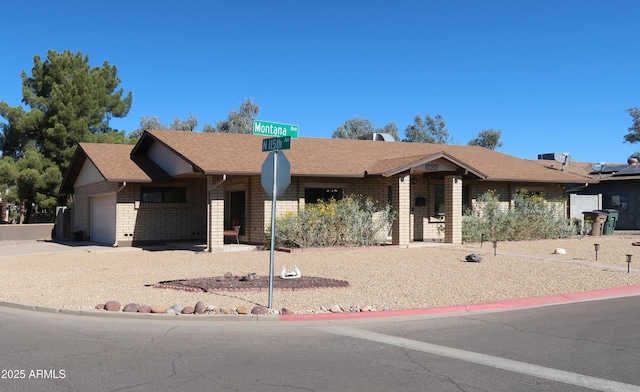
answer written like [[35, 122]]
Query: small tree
[[357, 127], [488, 138], [429, 130], [634, 130], [240, 121], [353, 128]]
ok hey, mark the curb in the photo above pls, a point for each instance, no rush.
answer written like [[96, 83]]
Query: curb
[[138, 316], [494, 306], [510, 304]]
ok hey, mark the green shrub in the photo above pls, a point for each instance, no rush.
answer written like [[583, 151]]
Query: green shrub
[[351, 221], [530, 218]]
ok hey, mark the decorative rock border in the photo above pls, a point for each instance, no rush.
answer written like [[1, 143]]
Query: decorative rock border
[[200, 308]]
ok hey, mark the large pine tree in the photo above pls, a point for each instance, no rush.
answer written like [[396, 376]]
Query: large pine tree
[[67, 101]]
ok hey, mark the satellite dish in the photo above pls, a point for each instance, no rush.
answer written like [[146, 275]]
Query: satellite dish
[[597, 167], [562, 157]]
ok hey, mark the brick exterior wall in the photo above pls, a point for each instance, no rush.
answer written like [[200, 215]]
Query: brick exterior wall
[[453, 209], [146, 223], [401, 229], [425, 226], [81, 212], [258, 216], [215, 209], [139, 223], [553, 193]]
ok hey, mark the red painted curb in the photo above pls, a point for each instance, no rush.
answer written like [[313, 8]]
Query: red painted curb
[[496, 305]]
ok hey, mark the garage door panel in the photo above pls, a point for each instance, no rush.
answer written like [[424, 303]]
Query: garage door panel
[[103, 219]]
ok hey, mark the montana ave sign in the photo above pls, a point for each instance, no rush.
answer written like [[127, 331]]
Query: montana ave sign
[[274, 129]]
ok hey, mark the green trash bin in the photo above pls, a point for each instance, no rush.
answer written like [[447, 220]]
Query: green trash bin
[[610, 223]]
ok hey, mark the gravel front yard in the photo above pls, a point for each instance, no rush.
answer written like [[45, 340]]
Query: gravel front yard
[[389, 278]]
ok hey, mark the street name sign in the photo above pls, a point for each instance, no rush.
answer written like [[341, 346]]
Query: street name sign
[[276, 143], [274, 129]]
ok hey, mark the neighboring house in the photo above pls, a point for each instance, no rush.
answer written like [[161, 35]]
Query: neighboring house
[[191, 186], [614, 187]]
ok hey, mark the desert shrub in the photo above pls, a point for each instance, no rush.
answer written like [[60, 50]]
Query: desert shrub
[[351, 221], [531, 217]]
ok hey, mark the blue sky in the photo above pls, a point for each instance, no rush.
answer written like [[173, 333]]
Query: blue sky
[[554, 76]]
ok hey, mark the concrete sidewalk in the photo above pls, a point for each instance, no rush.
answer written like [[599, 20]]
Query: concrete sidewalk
[[25, 248]]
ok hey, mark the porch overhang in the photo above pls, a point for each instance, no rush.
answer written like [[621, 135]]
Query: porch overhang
[[422, 165]]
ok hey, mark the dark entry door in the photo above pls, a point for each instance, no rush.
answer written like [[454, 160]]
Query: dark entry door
[[236, 209]]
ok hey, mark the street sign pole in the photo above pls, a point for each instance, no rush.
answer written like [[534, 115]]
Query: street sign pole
[[281, 140], [273, 226]]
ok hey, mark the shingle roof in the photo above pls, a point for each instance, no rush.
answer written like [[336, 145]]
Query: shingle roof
[[232, 154], [214, 153], [114, 163], [609, 172]]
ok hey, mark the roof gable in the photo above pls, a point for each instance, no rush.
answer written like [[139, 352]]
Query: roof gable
[[114, 163]]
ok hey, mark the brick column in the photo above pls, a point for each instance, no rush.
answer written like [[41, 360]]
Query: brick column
[[453, 209], [401, 196], [215, 198]]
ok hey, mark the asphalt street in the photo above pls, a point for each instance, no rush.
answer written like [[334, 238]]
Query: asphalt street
[[582, 346]]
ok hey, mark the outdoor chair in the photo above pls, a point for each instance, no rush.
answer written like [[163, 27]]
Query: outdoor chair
[[235, 232]]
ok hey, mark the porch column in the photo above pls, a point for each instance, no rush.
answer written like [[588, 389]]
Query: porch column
[[215, 191], [453, 209], [401, 196]]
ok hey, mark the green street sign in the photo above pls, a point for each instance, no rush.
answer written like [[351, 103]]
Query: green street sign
[[276, 143], [274, 129]]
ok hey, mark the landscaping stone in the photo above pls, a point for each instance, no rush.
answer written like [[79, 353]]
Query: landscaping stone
[[260, 310], [100, 306], [177, 308], [286, 311], [473, 258], [132, 307], [112, 306], [160, 309], [242, 309], [335, 309], [188, 310], [144, 309]]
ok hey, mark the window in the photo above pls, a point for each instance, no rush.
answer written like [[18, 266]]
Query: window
[[315, 195], [438, 200], [164, 195]]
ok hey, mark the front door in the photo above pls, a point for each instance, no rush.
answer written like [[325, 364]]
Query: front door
[[236, 210]]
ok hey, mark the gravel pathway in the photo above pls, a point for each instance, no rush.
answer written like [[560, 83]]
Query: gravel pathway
[[388, 278]]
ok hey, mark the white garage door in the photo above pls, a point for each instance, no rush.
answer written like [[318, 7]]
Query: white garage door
[[103, 219]]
